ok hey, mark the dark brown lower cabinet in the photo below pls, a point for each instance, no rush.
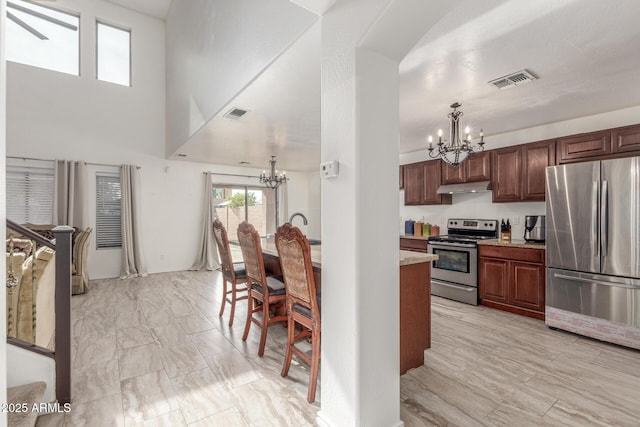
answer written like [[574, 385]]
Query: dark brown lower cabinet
[[512, 279]]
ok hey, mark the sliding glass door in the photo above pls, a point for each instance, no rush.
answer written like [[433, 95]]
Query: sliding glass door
[[236, 203]]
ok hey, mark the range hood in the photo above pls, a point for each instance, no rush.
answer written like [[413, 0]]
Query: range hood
[[467, 187]]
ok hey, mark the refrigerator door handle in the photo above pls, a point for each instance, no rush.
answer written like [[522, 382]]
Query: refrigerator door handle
[[594, 215], [597, 282], [604, 219]]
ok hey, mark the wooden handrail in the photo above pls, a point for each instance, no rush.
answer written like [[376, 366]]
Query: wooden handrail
[[30, 234], [31, 347], [62, 303]]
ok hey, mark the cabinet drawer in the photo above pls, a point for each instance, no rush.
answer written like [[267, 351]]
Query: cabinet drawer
[[511, 253], [413, 245]]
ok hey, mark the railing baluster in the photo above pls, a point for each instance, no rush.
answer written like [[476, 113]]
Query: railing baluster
[[63, 313]]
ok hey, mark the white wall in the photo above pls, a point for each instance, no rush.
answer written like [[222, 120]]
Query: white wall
[[3, 214], [479, 205], [52, 115], [29, 367], [215, 48]]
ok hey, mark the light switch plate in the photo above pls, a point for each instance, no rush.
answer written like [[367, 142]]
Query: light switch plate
[[329, 169]]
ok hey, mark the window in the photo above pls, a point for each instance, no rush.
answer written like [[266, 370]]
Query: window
[[42, 37], [108, 225], [113, 54], [30, 195]]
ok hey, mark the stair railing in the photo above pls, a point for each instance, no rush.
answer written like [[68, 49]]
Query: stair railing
[[62, 347]]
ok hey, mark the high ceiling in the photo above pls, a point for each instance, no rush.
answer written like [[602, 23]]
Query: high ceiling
[[583, 51], [156, 8]]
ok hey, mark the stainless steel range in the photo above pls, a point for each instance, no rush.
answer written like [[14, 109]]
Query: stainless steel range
[[455, 274]]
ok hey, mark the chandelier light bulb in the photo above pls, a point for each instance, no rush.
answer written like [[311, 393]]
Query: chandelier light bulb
[[455, 151]]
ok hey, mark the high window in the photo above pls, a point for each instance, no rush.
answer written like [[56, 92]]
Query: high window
[[42, 37], [113, 54], [30, 195], [108, 211]]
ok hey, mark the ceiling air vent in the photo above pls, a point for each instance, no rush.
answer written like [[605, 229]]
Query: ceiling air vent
[[235, 113], [514, 79]]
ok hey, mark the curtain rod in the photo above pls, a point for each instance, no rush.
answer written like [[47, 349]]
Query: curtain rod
[[232, 174], [49, 160]]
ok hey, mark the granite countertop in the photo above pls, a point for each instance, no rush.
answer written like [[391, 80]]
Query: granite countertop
[[515, 243], [410, 257], [411, 236]]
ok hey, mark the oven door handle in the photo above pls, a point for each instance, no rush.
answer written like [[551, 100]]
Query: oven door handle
[[459, 287], [455, 245]]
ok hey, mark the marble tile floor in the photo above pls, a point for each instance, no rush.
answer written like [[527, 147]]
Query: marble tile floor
[[152, 351]]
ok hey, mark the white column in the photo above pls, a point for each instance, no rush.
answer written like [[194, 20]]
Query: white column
[[360, 295], [3, 214]]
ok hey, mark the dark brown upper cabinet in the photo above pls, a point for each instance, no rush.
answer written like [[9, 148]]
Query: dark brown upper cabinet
[[475, 168], [535, 158], [626, 139], [421, 183], [519, 171], [506, 170], [584, 146]]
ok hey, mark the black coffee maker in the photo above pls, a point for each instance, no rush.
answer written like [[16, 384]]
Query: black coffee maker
[[534, 228]]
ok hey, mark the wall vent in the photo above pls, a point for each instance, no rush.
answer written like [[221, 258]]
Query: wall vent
[[235, 113], [514, 79]]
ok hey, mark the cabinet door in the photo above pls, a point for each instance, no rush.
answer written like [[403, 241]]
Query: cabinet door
[[626, 139], [478, 167], [583, 146], [493, 279], [527, 285], [505, 172], [453, 174], [535, 158], [401, 180], [432, 177], [413, 183]]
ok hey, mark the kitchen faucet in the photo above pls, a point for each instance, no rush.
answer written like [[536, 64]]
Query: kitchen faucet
[[304, 218]]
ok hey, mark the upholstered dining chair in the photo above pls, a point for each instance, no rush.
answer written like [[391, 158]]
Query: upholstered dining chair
[[234, 274], [302, 303], [268, 291]]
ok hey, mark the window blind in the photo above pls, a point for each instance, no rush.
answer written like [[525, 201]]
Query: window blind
[[30, 195], [108, 212]]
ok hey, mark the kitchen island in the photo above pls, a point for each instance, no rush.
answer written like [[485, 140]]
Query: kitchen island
[[415, 308], [415, 298]]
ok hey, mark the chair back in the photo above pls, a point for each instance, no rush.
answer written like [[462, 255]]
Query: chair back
[[222, 241], [252, 253], [295, 260]]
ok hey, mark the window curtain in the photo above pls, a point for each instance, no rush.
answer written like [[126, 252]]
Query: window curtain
[[207, 258], [133, 264], [69, 193]]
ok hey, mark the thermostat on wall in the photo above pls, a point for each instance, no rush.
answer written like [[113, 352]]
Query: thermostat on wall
[[329, 169]]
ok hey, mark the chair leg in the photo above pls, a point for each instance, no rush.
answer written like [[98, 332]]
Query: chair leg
[[289, 353], [265, 327], [249, 315], [233, 302], [315, 361], [224, 295]]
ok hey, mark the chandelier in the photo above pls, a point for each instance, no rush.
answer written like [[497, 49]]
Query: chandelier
[[456, 151], [274, 179]]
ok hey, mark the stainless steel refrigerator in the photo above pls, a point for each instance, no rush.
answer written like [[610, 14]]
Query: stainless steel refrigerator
[[593, 249]]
